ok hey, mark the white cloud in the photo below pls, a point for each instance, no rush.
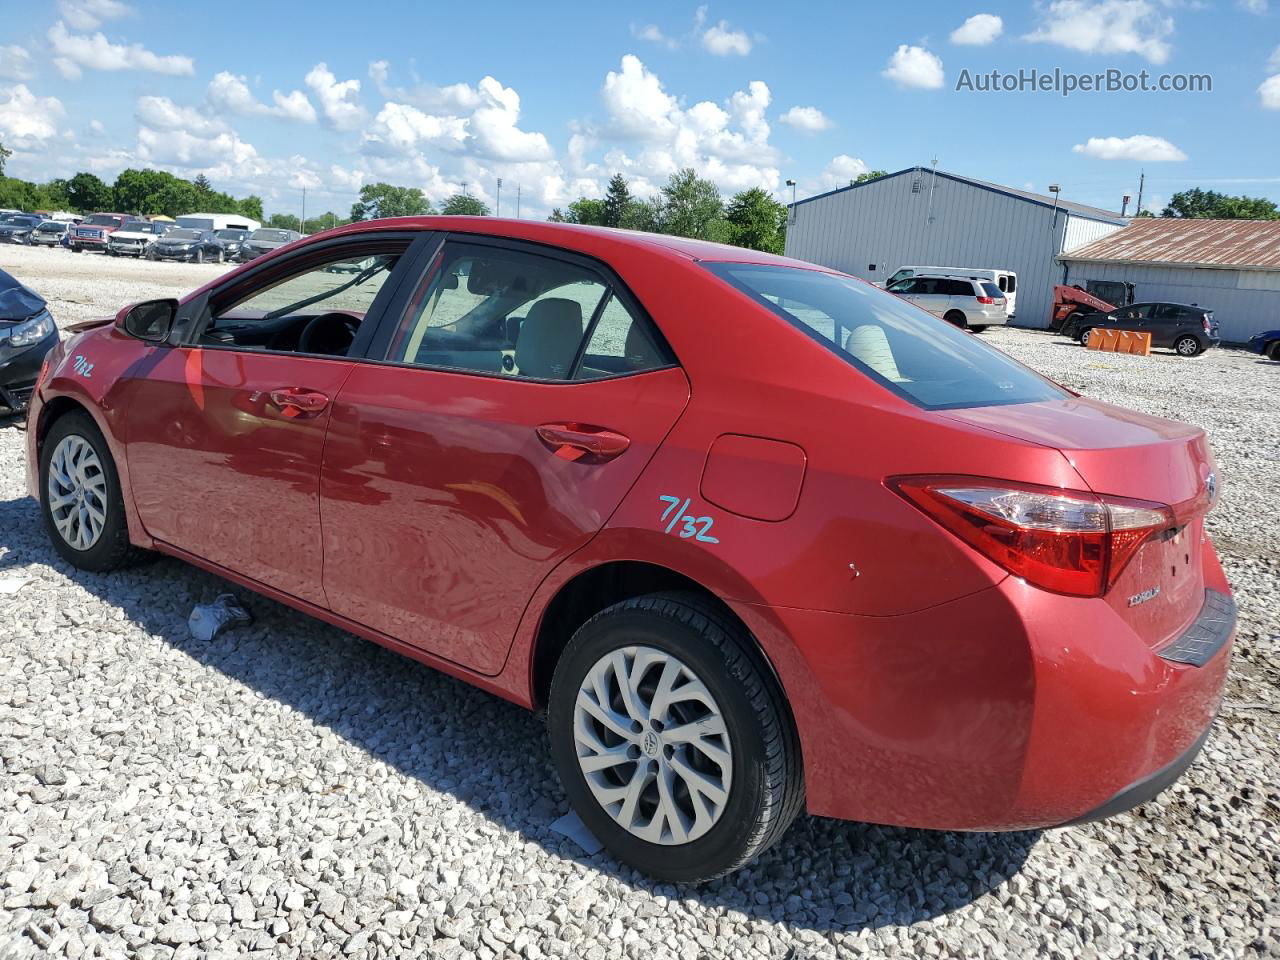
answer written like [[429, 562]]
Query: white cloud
[[27, 120], [190, 151], [161, 113], [1108, 26], [841, 171], [493, 125], [652, 33], [96, 128], [338, 101], [453, 97], [723, 40], [1255, 6], [1269, 91], [231, 94], [808, 119], [400, 127], [912, 66], [979, 30], [1273, 63], [1139, 148], [74, 52], [637, 104], [15, 62], [87, 14]]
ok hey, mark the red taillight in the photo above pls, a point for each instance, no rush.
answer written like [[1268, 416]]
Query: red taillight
[[1066, 541], [987, 300], [1207, 326]]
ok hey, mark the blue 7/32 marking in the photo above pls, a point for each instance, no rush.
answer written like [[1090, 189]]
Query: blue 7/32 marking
[[699, 528]]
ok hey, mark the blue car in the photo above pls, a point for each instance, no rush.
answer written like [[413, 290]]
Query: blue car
[[1267, 344]]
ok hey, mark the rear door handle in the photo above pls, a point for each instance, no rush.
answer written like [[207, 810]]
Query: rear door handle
[[298, 402], [574, 441]]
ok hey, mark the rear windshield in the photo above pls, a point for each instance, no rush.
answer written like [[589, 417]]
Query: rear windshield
[[231, 234], [922, 359], [271, 235], [51, 226], [991, 290], [102, 220]]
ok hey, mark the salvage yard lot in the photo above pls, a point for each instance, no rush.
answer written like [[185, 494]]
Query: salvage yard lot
[[290, 791]]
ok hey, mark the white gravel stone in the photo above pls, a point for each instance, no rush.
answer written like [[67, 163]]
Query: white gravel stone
[[286, 790]]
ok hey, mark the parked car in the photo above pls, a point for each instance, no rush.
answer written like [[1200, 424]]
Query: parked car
[[27, 334], [18, 227], [137, 238], [230, 241], [180, 243], [50, 233], [859, 568], [92, 232], [264, 241], [1267, 344], [1187, 329], [1005, 280], [961, 301]]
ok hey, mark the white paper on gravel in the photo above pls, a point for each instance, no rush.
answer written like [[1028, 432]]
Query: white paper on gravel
[[571, 826], [11, 585]]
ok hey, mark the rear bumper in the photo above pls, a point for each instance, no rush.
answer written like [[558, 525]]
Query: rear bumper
[[1007, 709]]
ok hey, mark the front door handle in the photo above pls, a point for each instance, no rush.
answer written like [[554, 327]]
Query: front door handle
[[298, 402], [574, 441]]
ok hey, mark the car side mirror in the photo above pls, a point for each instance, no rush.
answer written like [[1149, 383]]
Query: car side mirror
[[150, 320]]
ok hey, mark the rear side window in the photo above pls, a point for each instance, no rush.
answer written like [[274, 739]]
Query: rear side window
[[991, 290], [957, 288], [512, 313], [1012, 284], [922, 359]]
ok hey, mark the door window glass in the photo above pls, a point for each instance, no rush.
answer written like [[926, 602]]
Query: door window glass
[[317, 308], [512, 313]]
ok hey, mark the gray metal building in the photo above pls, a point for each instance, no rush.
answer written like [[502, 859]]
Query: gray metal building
[[1231, 267], [927, 217]]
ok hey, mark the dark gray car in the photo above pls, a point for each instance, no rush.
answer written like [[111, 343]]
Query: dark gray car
[[182, 243], [265, 240]]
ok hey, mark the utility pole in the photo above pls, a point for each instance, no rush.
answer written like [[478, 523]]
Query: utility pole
[[1124, 205], [791, 218], [517, 201], [497, 203], [302, 226], [1142, 182], [464, 188]]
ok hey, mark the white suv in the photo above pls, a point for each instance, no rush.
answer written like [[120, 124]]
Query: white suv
[[967, 302]]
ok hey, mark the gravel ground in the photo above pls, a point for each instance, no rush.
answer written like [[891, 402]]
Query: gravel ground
[[288, 790]]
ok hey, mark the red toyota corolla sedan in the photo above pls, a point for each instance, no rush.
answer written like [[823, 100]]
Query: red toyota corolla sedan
[[759, 536]]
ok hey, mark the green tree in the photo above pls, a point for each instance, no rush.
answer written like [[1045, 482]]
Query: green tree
[[690, 206], [18, 194], [379, 200], [643, 215], [756, 221], [283, 221], [587, 211], [464, 205], [869, 175], [250, 206], [1209, 204], [557, 216], [4, 155], [86, 193], [617, 200]]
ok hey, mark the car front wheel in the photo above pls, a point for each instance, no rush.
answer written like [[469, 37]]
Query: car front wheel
[[1084, 337], [672, 741], [1275, 351], [1187, 346], [80, 495]]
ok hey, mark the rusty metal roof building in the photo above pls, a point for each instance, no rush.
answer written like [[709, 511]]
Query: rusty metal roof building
[[1169, 241]]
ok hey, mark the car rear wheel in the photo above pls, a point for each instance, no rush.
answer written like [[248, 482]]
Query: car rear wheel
[[199, 256], [957, 319], [1084, 336], [1274, 351], [80, 495], [673, 743], [978, 327], [1187, 346]]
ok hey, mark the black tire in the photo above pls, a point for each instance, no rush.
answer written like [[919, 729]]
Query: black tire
[[198, 256], [221, 256], [1187, 346], [1274, 352], [978, 327], [1083, 339], [112, 548], [767, 785], [957, 319]]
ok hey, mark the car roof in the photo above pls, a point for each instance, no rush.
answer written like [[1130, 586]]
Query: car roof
[[541, 231]]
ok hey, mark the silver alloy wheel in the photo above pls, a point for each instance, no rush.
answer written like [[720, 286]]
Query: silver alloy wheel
[[1188, 346], [652, 745], [77, 488]]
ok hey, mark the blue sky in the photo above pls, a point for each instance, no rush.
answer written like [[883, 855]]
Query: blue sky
[[269, 97]]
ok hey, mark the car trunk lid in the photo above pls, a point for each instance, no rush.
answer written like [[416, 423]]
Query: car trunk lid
[[1122, 453]]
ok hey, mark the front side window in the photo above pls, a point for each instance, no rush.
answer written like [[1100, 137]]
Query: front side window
[[924, 360], [511, 313], [311, 309]]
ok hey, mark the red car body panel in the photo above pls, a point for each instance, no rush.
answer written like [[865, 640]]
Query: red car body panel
[[929, 687]]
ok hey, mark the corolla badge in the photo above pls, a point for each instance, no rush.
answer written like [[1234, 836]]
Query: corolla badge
[[1144, 596]]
